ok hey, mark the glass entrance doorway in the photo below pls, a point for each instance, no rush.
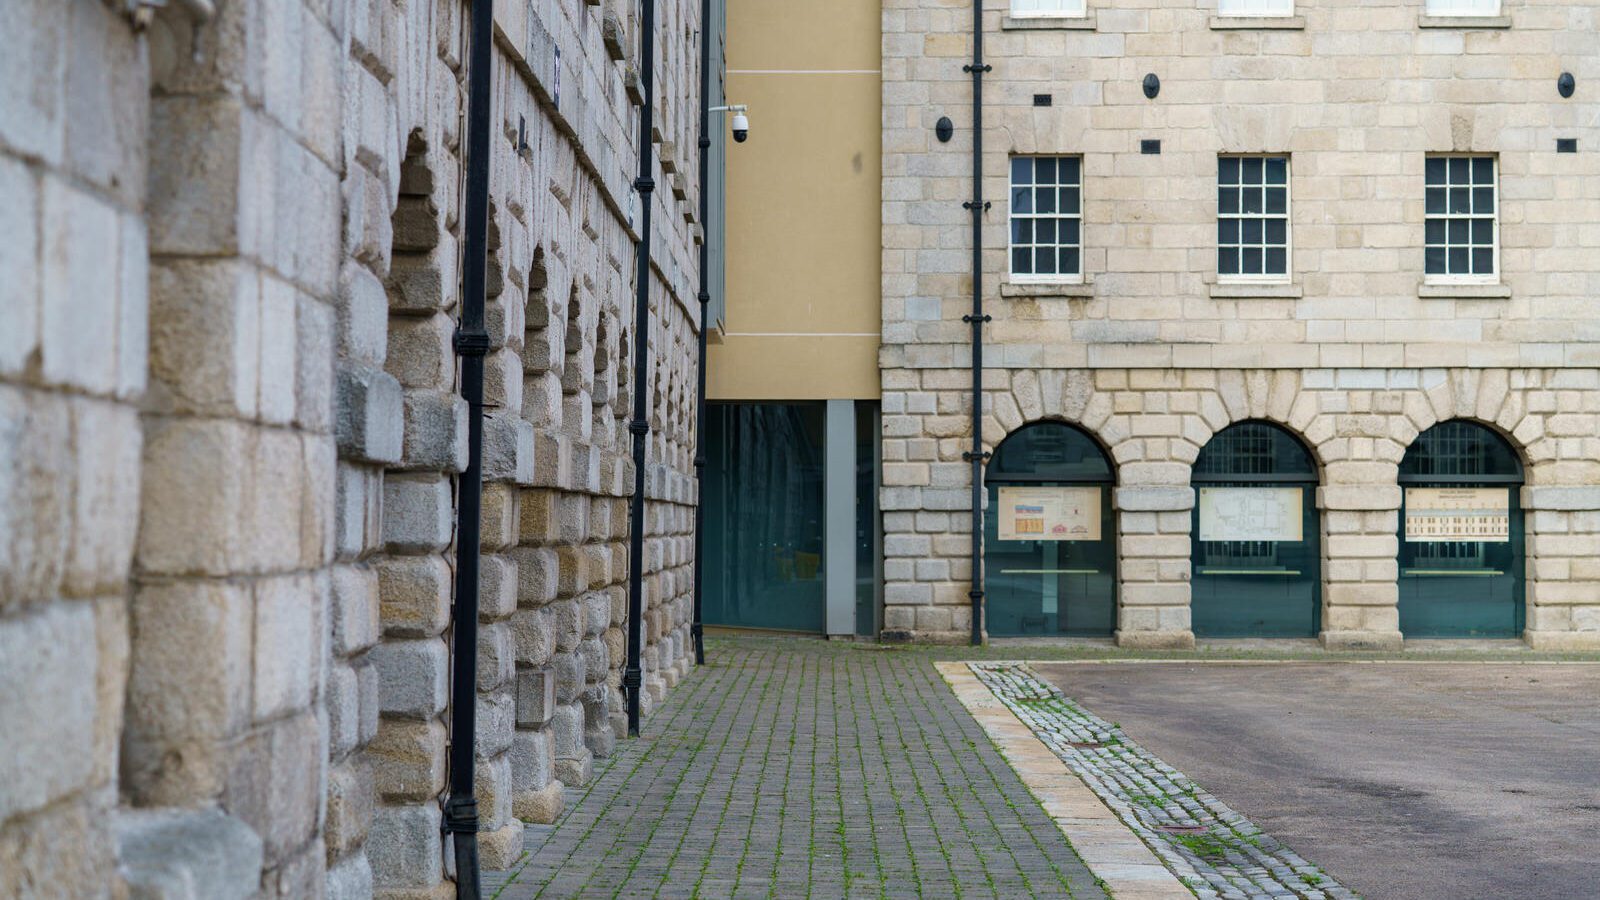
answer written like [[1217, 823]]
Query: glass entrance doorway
[[1461, 535], [1256, 547], [1049, 536]]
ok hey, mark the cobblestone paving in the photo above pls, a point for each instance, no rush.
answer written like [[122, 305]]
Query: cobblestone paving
[[795, 768], [1214, 850]]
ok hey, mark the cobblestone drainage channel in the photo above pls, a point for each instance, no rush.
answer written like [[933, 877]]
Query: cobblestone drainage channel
[[1215, 851]]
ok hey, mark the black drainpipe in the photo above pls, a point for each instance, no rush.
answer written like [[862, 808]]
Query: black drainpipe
[[632, 677], [976, 319], [697, 629], [460, 818]]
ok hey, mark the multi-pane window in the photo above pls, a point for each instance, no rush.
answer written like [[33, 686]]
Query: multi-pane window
[[1463, 7], [1021, 8], [1460, 219], [1046, 218], [1252, 218], [1255, 7]]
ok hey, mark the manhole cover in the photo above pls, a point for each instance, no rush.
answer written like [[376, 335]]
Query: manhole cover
[[1182, 829]]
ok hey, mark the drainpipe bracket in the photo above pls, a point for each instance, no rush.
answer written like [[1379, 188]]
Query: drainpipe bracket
[[983, 318], [975, 595], [460, 816], [969, 456], [970, 204], [632, 679], [983, 68], [638, 426], [644, 185], [471, 343]]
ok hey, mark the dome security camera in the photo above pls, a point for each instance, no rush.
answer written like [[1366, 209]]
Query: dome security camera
[[740, 123]]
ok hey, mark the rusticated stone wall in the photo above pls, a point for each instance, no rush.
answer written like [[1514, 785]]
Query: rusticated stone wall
[[230, 432]]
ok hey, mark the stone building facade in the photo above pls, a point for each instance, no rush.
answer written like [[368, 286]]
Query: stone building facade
[[230, 426], [1355, 351]]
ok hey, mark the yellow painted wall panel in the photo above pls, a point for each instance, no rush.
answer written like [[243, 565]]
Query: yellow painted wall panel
[[816, 367]]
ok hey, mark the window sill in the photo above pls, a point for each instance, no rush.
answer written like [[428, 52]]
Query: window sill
[[1048, 23], [1464, 291], [1258, 23], [1427, 21], [1249, 291], [1046, 289]]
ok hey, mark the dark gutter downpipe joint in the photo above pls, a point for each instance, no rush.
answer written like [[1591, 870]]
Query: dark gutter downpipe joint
[[977, 205], [460, 815], [639, 425]]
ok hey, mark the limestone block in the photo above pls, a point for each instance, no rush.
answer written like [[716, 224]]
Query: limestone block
[[106, 444], [353, 608], [188, 688], [277, 778], [369, 415], [508, 448], [495, 724], [497, 593], [367, 681], [570, 676], [414, 595], [341, 701], [435, 431], [496, 655], [499, 521], [596, 658], [408, 760], [1552, 497], [420, 351], [412, 677], [19, 257], [35, 496], [358, 524], [349, 879], [1153, 498], [78, 320], [404, 847], [538, 574], [313, 355], [187, 855], [418, 514], [288, 644], [363, 316], [47, 715], [350, 802]]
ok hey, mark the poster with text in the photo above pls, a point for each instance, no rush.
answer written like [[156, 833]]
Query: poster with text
[[1458, 514], [1251, 514], [1049, 514]]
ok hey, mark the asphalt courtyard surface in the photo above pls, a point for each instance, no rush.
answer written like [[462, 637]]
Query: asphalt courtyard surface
[[796, 768], [1402, 780]]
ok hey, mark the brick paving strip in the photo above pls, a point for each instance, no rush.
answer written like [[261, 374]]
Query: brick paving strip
[[795, 768], [1210, 848]]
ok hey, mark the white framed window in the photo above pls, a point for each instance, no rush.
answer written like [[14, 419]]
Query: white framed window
[[1046, 243], [1462, 7], [1461, 221], [1260, 8], [1253, 219], [1022, 9]]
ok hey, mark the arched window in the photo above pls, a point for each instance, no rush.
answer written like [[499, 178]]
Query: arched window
[[1050, 549], [1256, 547], [1461, 534]]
